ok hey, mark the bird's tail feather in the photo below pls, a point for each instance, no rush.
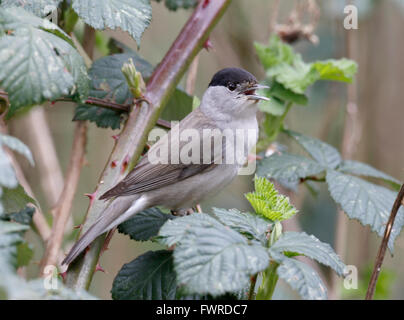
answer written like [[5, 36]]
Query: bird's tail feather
[[118, 211]]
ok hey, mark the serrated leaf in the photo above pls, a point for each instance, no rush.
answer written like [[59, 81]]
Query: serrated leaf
[[363, 169], [279, 91], [16, 145], [173, 231], [322, 152], [40, 8], [297, 76], [150, 276], [133, 16], [288, 68], [364, 201], [36, 61], [267, 202], [336, 70], [310, 246], [286, 167], [145, 225], [213, 259], [301, 278], [246, 223], [275, 53]]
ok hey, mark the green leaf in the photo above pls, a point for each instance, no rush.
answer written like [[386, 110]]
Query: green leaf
[[35, 64], [288, 68], [363, 169], [133, 16], [16, 145], [310, 246], [297, 76], [150, 276], [273, 106], [173, 231], [252, 225], [279, 91], [15, 201], [301, 278], [322, 152], [178, 106], [213, 259], [40, 8], [366, 202], [145, 225], [267, 202], [336, 70], [108, 82], [277, 52], [179, 4], [289, 168]]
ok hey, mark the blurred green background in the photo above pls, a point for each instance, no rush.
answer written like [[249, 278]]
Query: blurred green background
[[378, 49]]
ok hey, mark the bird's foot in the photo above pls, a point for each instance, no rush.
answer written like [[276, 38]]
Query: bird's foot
[[182, 212]]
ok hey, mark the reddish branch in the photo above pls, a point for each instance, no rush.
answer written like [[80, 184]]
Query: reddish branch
[[383, 246], [143, 118]]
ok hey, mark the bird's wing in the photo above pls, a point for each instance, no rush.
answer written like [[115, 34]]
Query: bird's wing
[[148, 176]]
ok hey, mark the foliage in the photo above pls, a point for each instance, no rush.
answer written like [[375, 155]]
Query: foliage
[[206, 247]]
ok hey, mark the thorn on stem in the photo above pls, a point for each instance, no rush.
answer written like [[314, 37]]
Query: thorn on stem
[[99, 268], [115, 137], [208, 44], [91, 196], [125, 163], [114, 164], [205, 4], [79, 226]]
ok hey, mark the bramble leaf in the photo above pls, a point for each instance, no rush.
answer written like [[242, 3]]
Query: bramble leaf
[[310, 246], [150, 276], [133, 16], [40, 8], [145, 225], [364, 201]]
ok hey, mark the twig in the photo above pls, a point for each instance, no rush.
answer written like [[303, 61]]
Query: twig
[[62, 211], [40, 141], [383, 246], [142, 119]]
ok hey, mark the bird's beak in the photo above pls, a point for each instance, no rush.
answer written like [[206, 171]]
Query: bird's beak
[[254, 96]]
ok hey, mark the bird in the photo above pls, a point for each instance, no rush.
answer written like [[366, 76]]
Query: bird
[[229, 104]]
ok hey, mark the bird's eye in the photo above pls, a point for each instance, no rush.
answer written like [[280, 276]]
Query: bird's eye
[[232, 86]]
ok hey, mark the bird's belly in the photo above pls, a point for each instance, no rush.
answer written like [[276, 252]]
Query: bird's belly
[[189, 192]]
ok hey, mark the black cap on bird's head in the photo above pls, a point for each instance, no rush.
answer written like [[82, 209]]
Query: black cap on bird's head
[[238, 79]]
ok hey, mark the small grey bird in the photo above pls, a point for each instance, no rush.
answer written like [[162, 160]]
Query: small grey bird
[[229, 103]]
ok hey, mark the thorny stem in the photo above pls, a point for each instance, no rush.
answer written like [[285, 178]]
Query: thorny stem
[[383, 246], [142, 119]]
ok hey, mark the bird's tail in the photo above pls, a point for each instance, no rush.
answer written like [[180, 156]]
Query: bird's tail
[[118, 211]]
